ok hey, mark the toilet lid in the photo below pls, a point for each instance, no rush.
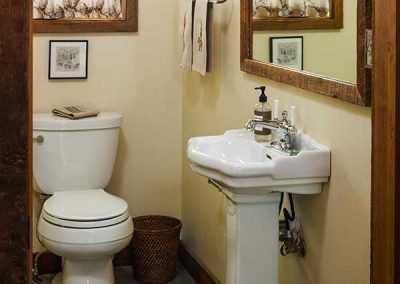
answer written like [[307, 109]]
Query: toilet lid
[[85, 206]]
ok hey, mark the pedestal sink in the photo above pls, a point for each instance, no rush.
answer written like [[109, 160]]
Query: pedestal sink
[[251, 176]]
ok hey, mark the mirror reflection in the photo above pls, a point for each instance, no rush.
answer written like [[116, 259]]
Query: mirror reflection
[[328, 52], [291, 8]]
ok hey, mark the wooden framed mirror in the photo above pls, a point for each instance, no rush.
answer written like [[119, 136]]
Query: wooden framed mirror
[[333, 61]]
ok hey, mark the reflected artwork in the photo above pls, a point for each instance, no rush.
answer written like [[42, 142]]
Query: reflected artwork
[[287, 51], [291, 8]]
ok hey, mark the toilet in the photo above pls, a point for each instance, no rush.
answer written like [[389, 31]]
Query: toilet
[[73, 162]]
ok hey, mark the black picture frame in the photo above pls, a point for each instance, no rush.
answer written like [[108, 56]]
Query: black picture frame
[[300, 59], [68, 72]]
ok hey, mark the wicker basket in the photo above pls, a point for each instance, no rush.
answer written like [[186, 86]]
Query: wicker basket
[[155, 248]]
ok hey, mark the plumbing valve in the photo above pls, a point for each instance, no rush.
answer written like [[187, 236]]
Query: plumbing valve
[[292, 241], [294, 246]]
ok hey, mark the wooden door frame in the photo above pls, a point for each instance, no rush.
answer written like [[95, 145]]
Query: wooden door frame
[[385, 213], [15, 141], [30, 141]]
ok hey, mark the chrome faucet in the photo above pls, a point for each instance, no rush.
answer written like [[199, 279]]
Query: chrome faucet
[[283, 126]]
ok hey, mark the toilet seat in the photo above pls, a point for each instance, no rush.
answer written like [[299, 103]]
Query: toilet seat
[[83, 236], [84, 224], [85, 217], [85, 209]]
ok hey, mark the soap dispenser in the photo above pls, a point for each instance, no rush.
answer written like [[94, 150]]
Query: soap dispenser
[[262, 111]]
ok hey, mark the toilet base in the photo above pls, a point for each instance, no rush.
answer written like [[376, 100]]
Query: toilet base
[[93, 271]]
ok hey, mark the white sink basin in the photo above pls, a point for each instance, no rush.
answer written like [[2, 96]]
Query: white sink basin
[[240, 164]]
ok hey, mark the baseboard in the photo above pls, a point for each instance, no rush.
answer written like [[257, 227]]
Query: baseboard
[[50, 263], [199, 272]]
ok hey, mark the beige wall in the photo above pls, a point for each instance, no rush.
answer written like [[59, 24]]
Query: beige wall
[[336, 223], [329, 52], [136, 75]]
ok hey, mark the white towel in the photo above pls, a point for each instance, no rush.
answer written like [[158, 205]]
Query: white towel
[[187, 55], [202, 34]]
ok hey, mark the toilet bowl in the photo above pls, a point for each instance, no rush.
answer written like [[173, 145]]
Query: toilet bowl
[[80, 222], [86, 238]]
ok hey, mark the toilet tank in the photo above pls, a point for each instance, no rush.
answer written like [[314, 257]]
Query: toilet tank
[[74, 154]]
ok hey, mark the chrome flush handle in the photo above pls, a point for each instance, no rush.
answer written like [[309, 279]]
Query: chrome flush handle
[[39, 139]]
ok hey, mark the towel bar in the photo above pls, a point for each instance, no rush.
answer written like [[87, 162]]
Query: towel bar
[[215, 1]]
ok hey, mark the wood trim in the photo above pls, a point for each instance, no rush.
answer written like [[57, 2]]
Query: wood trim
[[199, 272], [30, 139], [246, 28], [280, 23], [130, 24], [15, 139], [364, 74], [385, 224], [305, 80], [357, 94]]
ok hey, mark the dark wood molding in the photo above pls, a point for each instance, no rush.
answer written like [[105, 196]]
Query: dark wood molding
[[364, 74], [199, 272], [385, 224], [280, 23], [345, 91], [320, 84], [246, 29], [29, 114], [15, 141], [130, 24]]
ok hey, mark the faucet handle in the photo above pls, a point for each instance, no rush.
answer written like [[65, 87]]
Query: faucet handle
[[249, 124]]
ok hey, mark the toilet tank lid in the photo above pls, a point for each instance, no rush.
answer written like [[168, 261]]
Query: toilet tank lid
[[48, 121]]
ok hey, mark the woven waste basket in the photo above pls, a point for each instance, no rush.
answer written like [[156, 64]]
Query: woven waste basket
[[155, 245]]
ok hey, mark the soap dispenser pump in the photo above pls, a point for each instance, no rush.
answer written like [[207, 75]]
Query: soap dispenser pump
[[263, 112]]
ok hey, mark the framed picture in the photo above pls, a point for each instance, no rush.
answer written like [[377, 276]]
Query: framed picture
[[287, 51], [77, 16], [68, 59]]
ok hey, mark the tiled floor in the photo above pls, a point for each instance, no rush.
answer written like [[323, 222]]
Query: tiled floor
[[123, 275]]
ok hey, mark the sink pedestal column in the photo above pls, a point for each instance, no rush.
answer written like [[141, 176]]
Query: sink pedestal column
[[252, 238]]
